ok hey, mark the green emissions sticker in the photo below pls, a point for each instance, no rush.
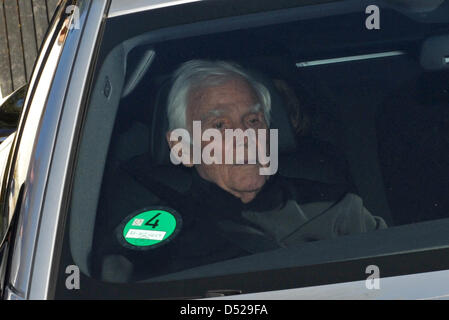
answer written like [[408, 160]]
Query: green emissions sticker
[[151, 228]]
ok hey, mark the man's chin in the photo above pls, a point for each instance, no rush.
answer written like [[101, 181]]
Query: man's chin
[[248, 179]]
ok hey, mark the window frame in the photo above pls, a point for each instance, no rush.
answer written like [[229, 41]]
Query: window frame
[[30, 257]]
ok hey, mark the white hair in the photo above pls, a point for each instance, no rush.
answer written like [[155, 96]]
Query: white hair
[[201, 73]]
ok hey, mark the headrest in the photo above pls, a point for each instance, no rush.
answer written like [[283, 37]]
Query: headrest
[[159, 151], [435, 53]]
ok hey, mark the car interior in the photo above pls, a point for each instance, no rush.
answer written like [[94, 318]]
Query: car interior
[[378, 124]]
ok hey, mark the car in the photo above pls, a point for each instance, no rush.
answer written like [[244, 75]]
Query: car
[[360, 99]]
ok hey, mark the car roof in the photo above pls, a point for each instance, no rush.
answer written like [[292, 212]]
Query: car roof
[[417, 9], [120, 7]]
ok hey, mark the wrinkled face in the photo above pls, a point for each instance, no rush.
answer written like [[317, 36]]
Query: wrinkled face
[[230, 105]]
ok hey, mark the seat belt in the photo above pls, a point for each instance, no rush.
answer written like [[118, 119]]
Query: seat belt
[[245, 237]]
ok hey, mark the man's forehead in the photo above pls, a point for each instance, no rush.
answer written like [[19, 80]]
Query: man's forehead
[[232, 89]]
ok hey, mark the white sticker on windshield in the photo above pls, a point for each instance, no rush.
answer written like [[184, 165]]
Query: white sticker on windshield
[[145, 234]]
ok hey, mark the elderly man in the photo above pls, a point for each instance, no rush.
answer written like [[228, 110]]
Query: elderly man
[[223, 96], [231, 209], [220, 96]]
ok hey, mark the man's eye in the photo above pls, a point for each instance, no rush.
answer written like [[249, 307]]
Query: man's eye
[[253, 121]]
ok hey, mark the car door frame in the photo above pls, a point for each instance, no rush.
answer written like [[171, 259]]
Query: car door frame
[[30, 260], [9, 202], [61, 138]]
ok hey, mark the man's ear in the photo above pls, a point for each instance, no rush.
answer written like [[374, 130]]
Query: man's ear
[[180, 147], [171, 144]]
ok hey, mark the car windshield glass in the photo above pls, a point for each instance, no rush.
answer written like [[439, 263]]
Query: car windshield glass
[[229, 142]]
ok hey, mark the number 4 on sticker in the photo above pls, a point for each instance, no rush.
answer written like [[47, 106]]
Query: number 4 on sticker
[[155, 223]]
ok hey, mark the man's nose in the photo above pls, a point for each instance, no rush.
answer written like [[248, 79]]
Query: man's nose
[[240, 125], [243, 126]]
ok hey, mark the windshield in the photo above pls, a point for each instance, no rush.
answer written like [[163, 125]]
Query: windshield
[[232, 142]]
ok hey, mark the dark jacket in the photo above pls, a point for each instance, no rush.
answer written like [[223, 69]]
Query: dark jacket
[[217, 226]]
